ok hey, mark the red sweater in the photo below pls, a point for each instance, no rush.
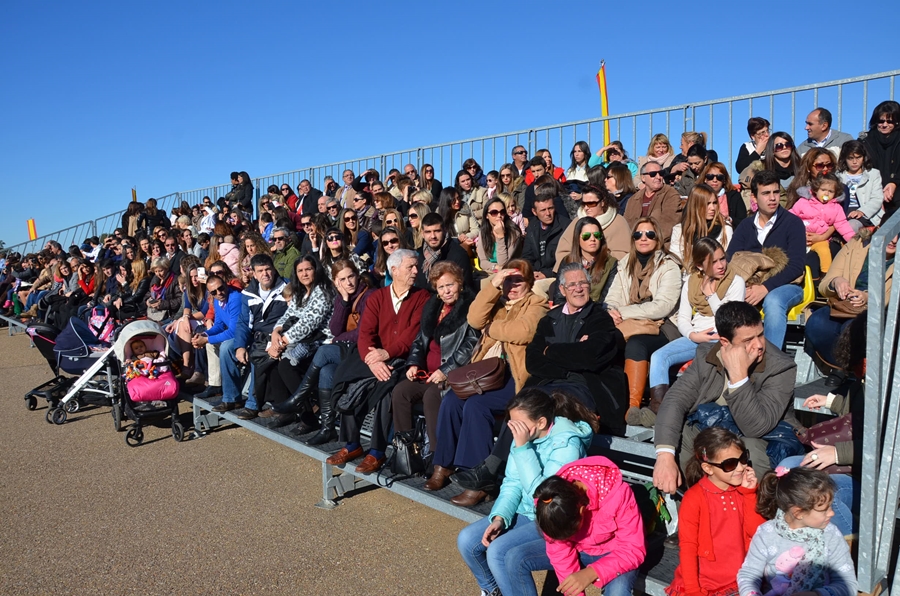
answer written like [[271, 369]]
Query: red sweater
[[706, 511], [381, 327]]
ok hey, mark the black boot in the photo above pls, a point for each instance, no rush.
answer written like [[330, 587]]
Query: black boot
[[299, 401], [327, 415]]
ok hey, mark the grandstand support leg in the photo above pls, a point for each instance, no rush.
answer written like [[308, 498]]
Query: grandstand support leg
[[203, 423], [336, 485]]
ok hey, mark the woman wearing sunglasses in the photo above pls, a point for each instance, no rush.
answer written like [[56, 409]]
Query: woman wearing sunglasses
[[429, 182], [643, 295], [390, 240], [883, 144], [337, 247], [590, 250], [417, 211], [500, 239], [700, 218], [596, 202], [445, 342], [815, 162], [731, 205], [359, 239], [780, 157]]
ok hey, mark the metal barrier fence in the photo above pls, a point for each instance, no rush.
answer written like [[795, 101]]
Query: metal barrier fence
[[880, 461], [786, 109]]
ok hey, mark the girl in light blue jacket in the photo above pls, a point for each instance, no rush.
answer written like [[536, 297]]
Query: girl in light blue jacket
[[548, 431]]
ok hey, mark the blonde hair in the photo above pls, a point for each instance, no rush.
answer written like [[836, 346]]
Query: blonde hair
[[693, 220], [423, 196], [660, 138], [694, 138]]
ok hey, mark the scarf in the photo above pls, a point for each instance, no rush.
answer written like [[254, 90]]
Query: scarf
[[696, 296], [159, 291], [810, 570], [881, 150], [723, 204], [606, 218], [431, 257], [640, 285], [783, 172]]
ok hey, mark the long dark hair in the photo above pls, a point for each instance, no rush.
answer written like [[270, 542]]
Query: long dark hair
[[707, 446], [382, 257], [445, 208], [800, 487], [511, 232], [537, 403], [320, 280], [585, 149], [769, 159], [558, 507], [576, 256]]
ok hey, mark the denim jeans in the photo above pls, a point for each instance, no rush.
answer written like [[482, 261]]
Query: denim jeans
[[846, 497], [775, 306], [327, 358], [34, 297], [490, 565], [822, 333], [675, 352], [232, 381], [522, 582]]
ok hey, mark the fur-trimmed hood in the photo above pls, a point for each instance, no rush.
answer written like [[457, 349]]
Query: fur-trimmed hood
[[455, 319]]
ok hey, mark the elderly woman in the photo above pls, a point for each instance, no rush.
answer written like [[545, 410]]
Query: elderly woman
[[643, 295], [165, 300], [445, 342], [507, 312], [500, 239]]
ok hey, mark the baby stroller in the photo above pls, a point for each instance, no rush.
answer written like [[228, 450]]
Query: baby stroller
[[76, 351], [151, 389]]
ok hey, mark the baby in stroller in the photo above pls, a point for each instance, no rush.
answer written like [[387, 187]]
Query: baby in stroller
[[144, 362]]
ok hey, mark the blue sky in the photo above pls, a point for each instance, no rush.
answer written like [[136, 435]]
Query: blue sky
[[100, 96]]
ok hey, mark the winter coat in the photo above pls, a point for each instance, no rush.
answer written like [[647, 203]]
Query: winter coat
[[665, 208], [787, 234], [284, 260], [617, 235], [312, 316], [456, 337], [612, 524], [230, 255], [541, 244], [464, 222], [848, 263], [258, 316], [665, 287], [226, 318], [475, 201], [818, 216], [869, 194]]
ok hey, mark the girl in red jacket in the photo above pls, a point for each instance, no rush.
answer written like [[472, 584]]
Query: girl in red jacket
[[720, 502], [592, 526]]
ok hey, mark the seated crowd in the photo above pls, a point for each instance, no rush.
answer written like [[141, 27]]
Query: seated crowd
[[592, 285]]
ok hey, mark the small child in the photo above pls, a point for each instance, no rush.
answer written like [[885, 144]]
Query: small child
[[720, 503], [592, 526], [820, 208], [143, 362], [799, 551], [512, 210], [863, 183]]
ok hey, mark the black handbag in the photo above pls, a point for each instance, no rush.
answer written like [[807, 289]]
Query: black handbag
[[408, 457]]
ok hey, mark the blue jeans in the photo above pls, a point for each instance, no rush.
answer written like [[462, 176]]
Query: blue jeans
[[327, 358], [490, 565], [775, 306], [675, 352], [822, 333], [232, 381], [34, 297], [846, 497], [537, 560]]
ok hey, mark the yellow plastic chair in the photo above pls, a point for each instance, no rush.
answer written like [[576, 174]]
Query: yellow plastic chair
[[809, 294]]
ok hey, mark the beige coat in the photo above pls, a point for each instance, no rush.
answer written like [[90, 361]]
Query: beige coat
[[476, 203], [848, 264], [514, 325], [345, 199], [665, 286]]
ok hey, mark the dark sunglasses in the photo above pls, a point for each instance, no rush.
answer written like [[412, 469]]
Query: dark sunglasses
[[279, 238], [220, 291], [495, 212], [333, 207], [823, 166], [719, 177], [654, 174], [520, 153], [217, 272], [413, 215], [650, 234], [284, 188], [730, 464], [307, 224], [587, 235], [885, 122], [784, 145], [351, 218], [590, 203], [392, 241], [333, 237]]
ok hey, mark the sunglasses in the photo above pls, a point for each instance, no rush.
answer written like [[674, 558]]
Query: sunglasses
[[587, 235], [279, 238], [654, 174], [307, 224], [650, 234], [730, 464], [785, 145], [390, 241], [520, 153], [885, 122], [353, 218], [217, 272], [334, 237], [823, 166], [390, 222], [428, 171], [413, 215], [496, 212], [332, 207], [284, 189], [590, 203], [217, 292], [719, 177]]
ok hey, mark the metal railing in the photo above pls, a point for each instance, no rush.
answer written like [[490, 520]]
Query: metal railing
[[786, 109], [881, 441]]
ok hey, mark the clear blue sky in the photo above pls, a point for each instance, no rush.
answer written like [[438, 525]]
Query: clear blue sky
[[100, 96]]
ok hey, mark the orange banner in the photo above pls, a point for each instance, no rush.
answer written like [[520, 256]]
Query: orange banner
[[604, 100], [32, 230]]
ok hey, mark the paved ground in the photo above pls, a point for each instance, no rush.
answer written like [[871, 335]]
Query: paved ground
[[231, 513]]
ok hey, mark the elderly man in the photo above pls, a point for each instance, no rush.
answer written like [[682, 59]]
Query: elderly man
[[387, 329], [410, 172], [656, 200], [284, 253], [818, 127], [219, 337], [438, 246], [308, 197], [346, 193], [520, 160], [261, 306], [745, 373]]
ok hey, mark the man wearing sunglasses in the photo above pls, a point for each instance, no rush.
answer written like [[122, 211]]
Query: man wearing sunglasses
[[744, 372], [657, 200], [818, 127], [520, 160], [284, 253], [220, 336]]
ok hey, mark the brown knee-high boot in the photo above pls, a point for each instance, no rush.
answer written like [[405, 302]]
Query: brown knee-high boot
[[648, 414], [636, 371]]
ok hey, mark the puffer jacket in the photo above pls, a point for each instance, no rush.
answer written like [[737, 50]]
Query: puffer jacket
[[230, 255], [818, 216], [612, 524], [456, 337], [665, 287]]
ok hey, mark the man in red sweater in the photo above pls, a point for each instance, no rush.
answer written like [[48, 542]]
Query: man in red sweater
[[387, 329]]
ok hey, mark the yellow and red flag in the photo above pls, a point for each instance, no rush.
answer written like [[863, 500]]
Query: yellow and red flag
[[32, 230], [604, 100]]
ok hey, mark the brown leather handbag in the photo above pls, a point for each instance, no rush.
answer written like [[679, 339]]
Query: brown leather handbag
[[844, 309], [479, 377]]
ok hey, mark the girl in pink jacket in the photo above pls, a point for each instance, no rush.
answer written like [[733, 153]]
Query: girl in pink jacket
[[820, 209], [592, 526]]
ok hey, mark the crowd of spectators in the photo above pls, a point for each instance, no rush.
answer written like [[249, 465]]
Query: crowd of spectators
[[595, 282]]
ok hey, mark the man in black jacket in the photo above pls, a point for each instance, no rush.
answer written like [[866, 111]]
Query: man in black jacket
[[544, 232], [438, 246], [308, 197]]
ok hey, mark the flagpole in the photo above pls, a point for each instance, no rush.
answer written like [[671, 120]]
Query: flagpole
[[604, 100]]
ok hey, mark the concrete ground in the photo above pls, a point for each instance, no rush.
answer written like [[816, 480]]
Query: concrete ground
[[231, 513]]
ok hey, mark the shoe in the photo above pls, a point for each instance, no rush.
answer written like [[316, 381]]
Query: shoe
[[225, 406], [308, 424], [494, 592], [439, 478], [633, 416], [343, 456], [327, 415], [270, 413], [370, 464], [470, 498], [648, 415], [636, 371], [246, 413], [299, 401], [478, 478], [197, 379], [211, 391]]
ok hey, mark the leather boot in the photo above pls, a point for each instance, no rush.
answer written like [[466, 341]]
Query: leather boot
[[439, 478], [648, 414], [636, 371], [327, 416], [299, 401]]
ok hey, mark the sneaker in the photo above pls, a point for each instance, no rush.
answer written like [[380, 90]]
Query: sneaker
[[246, 413]]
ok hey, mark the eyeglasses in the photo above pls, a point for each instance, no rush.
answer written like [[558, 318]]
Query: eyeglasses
[[650, 234], [719, 177], [654, 173], [730, 464], [279, 238], [413, 215], [334, 237], [170, 245], [506, 175], [587, 235], [823, 166], [390, 222], [496, 212], [589, 204], [784, 145], [577, 284], [307, 224], [351, 218], [220, 291], [608, 176], [520, 153], [390, 241], [428, 171]]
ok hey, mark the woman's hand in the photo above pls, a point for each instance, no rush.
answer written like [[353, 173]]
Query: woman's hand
[[437, 377], [701, 337], [616, 316], [889, 191], [841, 287], [120, 278], [520, 432], [117, 303], [492, 531], [815, 401], [171, 326], [497, 280], [678, 168], [497, 229], [821, 457], [577, 582], [274, 350], [859, 298], [855, 215], [411, 372]]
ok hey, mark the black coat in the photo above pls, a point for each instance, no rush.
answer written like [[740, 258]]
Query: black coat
[[149, 222], [453, 252], [544, 260], [456, 337], [737, 210], [310, 202], [596, 362]]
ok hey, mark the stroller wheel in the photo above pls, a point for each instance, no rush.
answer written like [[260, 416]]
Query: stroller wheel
[[31, 402], [59, 416], [117, 416], [49, 416], [177, 431], [72, 406], [134, 437]]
